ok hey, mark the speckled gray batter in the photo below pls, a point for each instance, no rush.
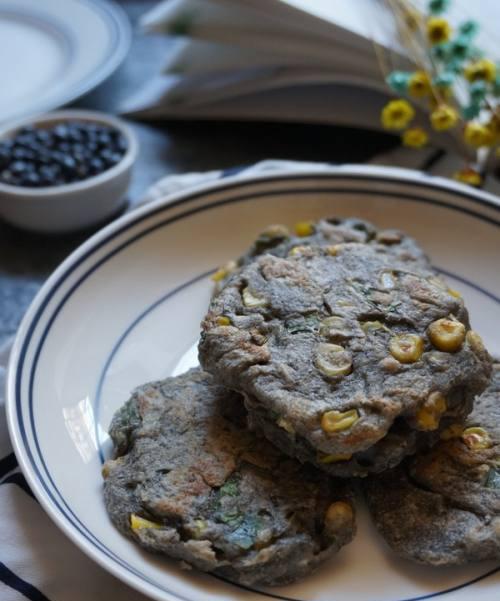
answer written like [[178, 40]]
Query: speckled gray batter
[[443, 507], [277, 240], [223, 500], [269, 352]]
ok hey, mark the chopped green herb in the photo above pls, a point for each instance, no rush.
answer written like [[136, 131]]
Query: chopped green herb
[[232, 517], [394, 306], [126, 420], [493, 478], [303, 324], [246, 532], [365, 289], [230, 488]]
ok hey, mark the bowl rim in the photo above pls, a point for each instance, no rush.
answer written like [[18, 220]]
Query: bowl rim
[[89, 183], [368, 173]]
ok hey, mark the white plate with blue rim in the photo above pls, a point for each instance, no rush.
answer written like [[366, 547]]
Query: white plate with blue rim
[[54, 51], [125, 308]]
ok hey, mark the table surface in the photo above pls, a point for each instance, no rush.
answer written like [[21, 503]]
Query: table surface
[[27, 259]]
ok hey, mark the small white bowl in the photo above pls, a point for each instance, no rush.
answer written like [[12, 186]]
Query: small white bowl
[[69, 207]]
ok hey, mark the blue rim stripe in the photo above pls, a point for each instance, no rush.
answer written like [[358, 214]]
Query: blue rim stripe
[[22, 355]]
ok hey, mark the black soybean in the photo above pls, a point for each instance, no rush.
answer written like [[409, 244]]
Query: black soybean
[[62, 154]]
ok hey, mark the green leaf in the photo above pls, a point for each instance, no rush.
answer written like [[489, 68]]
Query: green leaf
[[441, 52], [398, 81], [460, 48], [444, 80], [469, 28], [471, 111], [437, 7], [496, 86]]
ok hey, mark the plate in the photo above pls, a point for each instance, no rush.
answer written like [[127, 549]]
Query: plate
[[125, 308], [51, 52]]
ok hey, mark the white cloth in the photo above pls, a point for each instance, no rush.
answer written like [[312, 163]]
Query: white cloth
[[37, 561]]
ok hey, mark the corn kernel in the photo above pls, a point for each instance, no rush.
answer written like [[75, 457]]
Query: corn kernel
[[297, 250], [251, 301], [286, 425], [334, 326], [338, 516], [224, 271], [447, 334], [138, 523], [304, 228], [333, 360], [373, 326], [199, 527], [276, 231], [222, 320], [337, 421], [427, 421], [406, 348], [476, 438], [430, 413], [110, 465], [322, 458], [454, 293], [333, 250], [389, 237], [437, 402], [453, 431], [475, 342], [437, 281], [390, 365]]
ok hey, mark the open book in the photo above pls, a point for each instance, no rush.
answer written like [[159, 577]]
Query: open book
[[286, 60]]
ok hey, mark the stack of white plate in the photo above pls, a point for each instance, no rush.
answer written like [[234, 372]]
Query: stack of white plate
[[53, 51]]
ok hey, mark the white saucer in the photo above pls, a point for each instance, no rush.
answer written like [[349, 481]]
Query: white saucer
[[52, 51]]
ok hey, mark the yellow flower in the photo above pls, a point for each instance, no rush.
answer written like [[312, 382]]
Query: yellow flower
[[444, 117], [415, 137], [419, 84], [397, 114], [481, 69], [478, 135], [468, 176], [438, 30]]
